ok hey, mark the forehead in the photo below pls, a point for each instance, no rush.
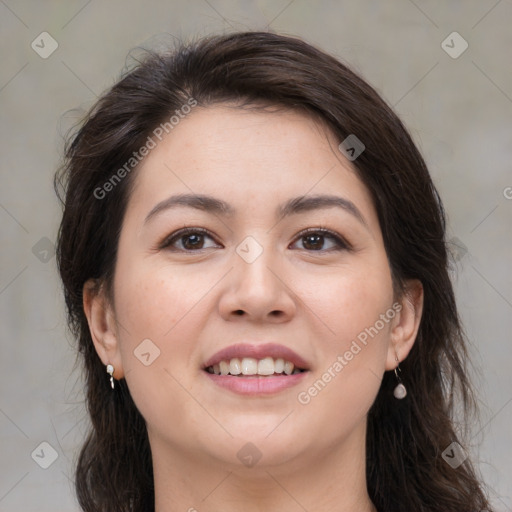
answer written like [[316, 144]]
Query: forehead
[[247, 156]]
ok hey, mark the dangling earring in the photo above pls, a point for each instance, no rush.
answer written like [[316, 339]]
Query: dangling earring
[[110, 371], [400, 391]]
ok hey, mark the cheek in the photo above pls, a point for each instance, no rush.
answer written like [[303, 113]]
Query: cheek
[[154, 300], [353, 360], [160, 311], [153, 308], [349, 300]]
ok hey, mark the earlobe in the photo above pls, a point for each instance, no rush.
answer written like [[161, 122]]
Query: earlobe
[[406, 325], [102, 325]]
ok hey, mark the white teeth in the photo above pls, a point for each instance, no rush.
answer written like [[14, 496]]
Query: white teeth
[[235, 367], [224, 367], [266, 366], [288, 368], [251, 366], [279, 365]]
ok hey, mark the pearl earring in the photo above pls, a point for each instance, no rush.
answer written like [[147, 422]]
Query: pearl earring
[[400, 391], [110, 371]]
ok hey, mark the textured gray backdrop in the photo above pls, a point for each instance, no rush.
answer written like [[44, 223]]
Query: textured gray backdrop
[[457, 102]]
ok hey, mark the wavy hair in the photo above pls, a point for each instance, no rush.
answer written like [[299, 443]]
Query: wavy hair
[[405, 439]]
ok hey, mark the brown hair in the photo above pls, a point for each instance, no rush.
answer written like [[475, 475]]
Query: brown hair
[[405, 439]]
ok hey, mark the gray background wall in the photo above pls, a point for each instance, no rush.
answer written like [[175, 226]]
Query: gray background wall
[[459, 111]]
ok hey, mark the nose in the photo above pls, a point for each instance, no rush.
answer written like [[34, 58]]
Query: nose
[[259, 290]]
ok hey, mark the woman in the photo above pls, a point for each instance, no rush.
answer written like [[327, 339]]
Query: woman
[[254, 263]]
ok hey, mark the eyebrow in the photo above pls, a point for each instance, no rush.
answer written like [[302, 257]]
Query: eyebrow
[[293, 206]]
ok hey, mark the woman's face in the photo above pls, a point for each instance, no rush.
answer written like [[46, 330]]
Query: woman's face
[[246, 275]]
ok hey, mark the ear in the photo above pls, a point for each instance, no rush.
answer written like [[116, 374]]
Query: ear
[[102, 324], [406, 323]]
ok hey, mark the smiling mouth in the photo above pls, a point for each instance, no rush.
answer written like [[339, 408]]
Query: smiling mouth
[[251, 367]]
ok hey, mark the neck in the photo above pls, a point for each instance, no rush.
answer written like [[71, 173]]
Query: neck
[[332, 481]]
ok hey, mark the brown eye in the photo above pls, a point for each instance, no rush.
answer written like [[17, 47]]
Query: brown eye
[[315, 240], [187, 240]]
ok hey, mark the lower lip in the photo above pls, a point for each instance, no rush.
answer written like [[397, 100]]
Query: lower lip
[[256, 385]]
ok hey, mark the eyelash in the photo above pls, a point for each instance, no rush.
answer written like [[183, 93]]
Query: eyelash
[[342, 244]]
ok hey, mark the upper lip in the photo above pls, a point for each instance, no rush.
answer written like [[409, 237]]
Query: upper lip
[[259, 351]]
